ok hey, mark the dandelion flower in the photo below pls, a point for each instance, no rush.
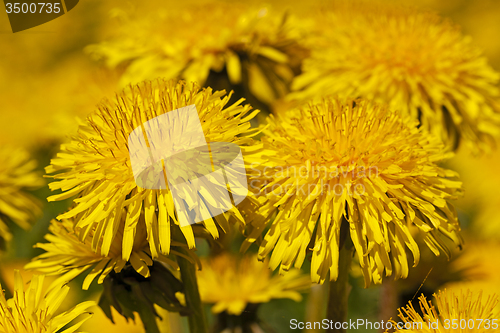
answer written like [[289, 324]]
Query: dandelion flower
[[69, 257], [17, 175], [237, 286], [466, 310], [415, 61], [244, 43], [29, 312], [231, 283], [356, 163], [129, 286], [96, 165]]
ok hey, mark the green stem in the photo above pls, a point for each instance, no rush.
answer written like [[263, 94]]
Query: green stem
[[197, 320], [316, 305], [340, 289], [148, 320], [388, 301], [145, 309]]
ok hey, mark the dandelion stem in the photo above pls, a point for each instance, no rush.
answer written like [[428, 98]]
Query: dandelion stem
[[197, 320], [388, 302], [340, 289], [316, 305], [148, 320]]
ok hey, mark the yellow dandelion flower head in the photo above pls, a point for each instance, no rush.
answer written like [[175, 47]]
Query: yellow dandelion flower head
[[231, 283], [337, 161], [96, 166], [68, 256], [31, 312], [17, 175], [460, 313], [250, 42], [415, 61]]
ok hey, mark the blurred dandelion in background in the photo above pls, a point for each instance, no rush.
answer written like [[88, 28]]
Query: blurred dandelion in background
[[246, 43], [480, 271], [236, 286], [17, 177], [414, 61]]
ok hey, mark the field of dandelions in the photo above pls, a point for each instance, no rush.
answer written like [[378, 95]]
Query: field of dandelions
[[369, 132]]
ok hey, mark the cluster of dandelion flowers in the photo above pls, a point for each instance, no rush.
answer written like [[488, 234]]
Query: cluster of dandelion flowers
[[246, 43], [17, 176], [96, 166], [31, 312], [463, 312], [414, 61], [231, 283], [335, 161]]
